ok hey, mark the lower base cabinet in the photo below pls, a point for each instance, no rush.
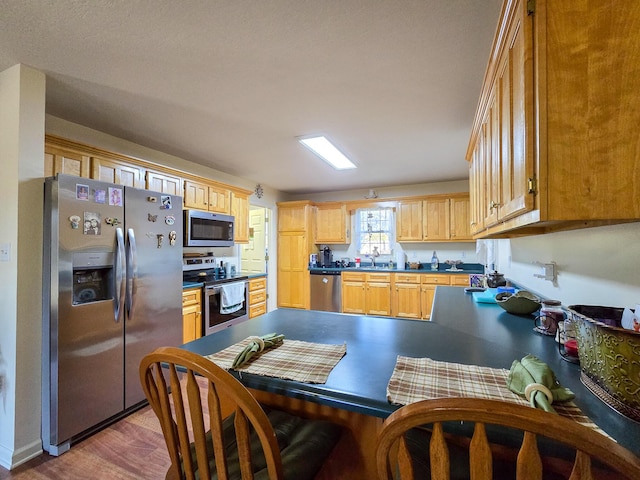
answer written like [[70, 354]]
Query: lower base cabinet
[[366, 293], [257, 297], [191, 314]]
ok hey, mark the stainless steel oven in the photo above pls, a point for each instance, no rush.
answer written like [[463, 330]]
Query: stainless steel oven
[[225, 304]]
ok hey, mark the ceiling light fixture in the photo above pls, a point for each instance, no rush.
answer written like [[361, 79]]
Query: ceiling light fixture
[[322, 147]]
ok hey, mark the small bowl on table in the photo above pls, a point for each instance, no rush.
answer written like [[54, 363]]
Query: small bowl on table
[[520, 303]]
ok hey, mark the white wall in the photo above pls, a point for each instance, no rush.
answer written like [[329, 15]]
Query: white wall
[[22, 104], [596, 266]]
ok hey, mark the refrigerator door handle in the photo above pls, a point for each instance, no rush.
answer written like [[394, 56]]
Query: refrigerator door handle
[[132, 272], [119, 267]]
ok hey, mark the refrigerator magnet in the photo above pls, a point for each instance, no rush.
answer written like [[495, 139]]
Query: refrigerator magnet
[[115, 197], [172, 237], [152, 218], [75, 221], [169, 219], [92, 223], [82, 192], [166, 201], [100, 196]]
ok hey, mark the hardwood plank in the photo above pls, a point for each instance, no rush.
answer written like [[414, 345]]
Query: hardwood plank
[[131, 449]]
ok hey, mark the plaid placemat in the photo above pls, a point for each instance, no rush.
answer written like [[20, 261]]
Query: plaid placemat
[[416, 379], [293, 360]]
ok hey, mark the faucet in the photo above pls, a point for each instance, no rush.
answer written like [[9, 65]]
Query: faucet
[[373, 256]]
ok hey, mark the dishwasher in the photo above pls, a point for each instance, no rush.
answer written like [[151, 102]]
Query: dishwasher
[[326, 290]]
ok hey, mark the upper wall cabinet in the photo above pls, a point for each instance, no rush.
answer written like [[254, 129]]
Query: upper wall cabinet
[[332, 223], [437, 218], [202, 196], [240, 210], [60, 160], [163, 182], [114, 171], [554, 139]]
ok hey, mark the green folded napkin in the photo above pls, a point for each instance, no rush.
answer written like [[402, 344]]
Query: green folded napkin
[[256, 345], [531, 370]]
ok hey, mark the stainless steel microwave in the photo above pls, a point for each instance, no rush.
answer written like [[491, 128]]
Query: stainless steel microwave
[[207, 229]]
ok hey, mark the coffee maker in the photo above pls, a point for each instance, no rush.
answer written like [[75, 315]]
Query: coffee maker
[[326, 257]]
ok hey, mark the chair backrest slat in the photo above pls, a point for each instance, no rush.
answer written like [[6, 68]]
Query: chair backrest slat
[[179, 407], [439, 453], [587, 443]]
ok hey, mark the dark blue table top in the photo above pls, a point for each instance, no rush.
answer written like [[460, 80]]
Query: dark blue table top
[[461, 331]]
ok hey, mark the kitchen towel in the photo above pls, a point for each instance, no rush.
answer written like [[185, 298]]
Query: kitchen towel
[[293, 360], [415, 379], [231, 297]]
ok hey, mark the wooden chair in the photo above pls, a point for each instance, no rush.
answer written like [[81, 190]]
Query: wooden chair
[[408, 449], [240, 439]]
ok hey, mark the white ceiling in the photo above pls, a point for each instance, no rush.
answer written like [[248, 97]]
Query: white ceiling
[[231, 84]]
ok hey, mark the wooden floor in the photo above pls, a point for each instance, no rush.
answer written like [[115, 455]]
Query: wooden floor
[[132, 448]]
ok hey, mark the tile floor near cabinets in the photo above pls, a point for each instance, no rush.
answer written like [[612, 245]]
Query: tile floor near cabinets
[[131, 449]]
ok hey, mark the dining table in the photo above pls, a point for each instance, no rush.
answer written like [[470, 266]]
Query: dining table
[[461, 331]]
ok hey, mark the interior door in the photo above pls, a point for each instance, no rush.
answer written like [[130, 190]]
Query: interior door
[[254, 253]]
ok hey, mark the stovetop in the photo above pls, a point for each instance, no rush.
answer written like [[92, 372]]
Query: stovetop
[[210, 276]]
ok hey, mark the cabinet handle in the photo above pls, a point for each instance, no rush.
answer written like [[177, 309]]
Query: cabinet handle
[[493, 205]]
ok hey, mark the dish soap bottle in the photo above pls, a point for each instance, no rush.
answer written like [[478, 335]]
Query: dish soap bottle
[[434, 261]]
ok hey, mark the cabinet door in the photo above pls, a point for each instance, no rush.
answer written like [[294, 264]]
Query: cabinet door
[[332, 224], [353, 297], [406, 300], [293, 275], [218, 200], [162, 182], [459, 225], [476, 178], [113, 171], [191, 323], [196, 195], [293, 218], [240, 210], [378, 298], [516, 117], [409, 221], [427, 292], [435, 219], [492, 145], [62, 161]]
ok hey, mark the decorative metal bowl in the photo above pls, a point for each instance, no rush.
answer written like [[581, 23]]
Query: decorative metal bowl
[[608, 357], [520, 303]]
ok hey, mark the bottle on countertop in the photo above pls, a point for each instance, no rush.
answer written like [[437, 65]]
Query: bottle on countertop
[[434, 261]]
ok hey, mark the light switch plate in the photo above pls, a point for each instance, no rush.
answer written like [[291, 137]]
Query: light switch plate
[[5, 252]]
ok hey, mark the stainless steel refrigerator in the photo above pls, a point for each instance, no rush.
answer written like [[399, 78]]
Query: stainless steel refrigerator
[[112, 288]]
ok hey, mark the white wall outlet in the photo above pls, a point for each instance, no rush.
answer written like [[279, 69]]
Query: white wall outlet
[[5, 252]]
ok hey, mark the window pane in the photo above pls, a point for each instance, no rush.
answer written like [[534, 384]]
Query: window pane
[[375, 229]]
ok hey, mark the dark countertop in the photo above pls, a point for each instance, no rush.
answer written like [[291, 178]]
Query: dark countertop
[[461, 331], [248, 275], [465, 270]]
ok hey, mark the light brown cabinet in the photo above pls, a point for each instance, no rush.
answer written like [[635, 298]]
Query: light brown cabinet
[[59, 160], [115, 171], [437, 218], [405, 295], [428, 284], [257, 296], [163, 182], [554, 138], [202, 196], [366, 293], [240, 211], [332, 223], [191, 314], [295, 244]]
